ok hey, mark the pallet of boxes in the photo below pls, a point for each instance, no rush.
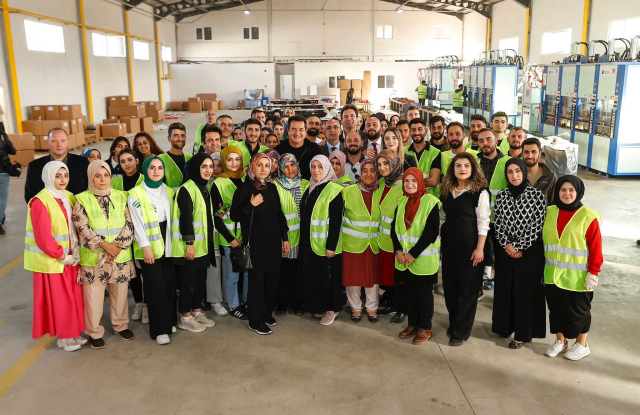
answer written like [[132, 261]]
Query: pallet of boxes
[[127, 118], [361, 89], [44, 118], [197, 104]]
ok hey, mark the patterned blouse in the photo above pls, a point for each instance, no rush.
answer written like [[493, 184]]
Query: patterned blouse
[[519, 221], [110, 272]]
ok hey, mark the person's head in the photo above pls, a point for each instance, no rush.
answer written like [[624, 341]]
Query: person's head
[[260, 116], [278, 130], [56, 174], [403, 127], [238, 134], [91, 154], [155, 170], [382, 163], [129, 161], [499, 122], [269, 124], [359, 122], [455, 135], [418, 130], [317, 170], [274, 156], [392, 139], [225, 123], [487, 141], [338, 162], [119, 144], [252, 128], [384, 124], [333, 130], [569, 191], [211, 136], [353, 143], [102, 178], [349, 116], [368, 172], [515, 171], [264, 132], [313, 126], [288, 166], [217, 165], [412, 112], [516, 138], [58, 143], [478, 122], [260, 166], [372, 128], [231, 158], [531, 151], [437, 127], [289, 112], [412, 181], [351, 90], [276, 114], [323, 127], [200, 168], [297, 130], [177, 135], [144, 144], [464, 168], [423, 82], [271, 141], [211, 116], [394, 120], [284, 120]]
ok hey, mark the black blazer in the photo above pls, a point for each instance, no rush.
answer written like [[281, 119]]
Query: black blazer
[[325, 148], [78, 181]]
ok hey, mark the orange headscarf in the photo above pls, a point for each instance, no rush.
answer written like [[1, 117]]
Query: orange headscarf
[[413, 204]]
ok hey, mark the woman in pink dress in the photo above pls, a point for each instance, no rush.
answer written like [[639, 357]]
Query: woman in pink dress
[[53, 254]]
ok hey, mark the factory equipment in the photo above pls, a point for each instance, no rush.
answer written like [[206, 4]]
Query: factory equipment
[[442, 81], [468, 94], [531, 93]]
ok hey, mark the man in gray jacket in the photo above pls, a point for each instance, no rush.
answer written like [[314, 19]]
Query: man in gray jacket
[[539, 175]]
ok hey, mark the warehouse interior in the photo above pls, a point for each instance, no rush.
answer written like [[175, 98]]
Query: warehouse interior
[[567, 72]]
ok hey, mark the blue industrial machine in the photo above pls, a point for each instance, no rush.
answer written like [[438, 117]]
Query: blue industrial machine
[[442, 80]]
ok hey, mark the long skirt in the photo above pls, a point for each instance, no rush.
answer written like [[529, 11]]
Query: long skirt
[[387, 268], [569, 311]]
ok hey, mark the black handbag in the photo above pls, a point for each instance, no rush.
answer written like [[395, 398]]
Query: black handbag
[[241, 257]]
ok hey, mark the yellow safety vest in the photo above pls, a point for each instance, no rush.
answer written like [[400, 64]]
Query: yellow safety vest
[[458, 99], [151, 223], [290, 210], [447, 156], [34, 258], [227, 189], [320, 220], [387, 209], [178, 246], [118, 182], [424, 164], [360, 228], [504, 144], [422, 91], [498, 180], [246, 157], [345, 180], [172, 174]]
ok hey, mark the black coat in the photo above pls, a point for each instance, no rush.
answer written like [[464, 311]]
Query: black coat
[[303, 154], [78, 181], [6, 149]]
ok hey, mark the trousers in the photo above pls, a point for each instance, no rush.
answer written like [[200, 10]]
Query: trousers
[[93, 297], [355, 301], [217, 281], [263, 290]]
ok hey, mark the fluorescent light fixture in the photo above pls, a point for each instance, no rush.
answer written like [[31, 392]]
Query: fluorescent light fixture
[[399, 10], [246, 11]]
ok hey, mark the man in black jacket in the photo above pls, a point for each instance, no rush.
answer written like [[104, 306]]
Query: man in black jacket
[[6, 149], [303, 149], [58, 150]]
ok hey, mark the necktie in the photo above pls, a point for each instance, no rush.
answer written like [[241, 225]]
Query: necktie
[[375, 149], [332, 149]]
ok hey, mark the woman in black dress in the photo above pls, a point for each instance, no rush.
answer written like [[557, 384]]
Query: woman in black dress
[[519, 303], [256, 205]]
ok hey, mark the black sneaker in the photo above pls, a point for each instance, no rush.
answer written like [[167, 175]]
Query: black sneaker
[[270, 321], [206, 306], [281, 309], [239, 313], [298, 310], [1, 230], [126, 335], [96, 343], [398, 318], [480, 295], [264, 330], [388, 311], [453, 342]]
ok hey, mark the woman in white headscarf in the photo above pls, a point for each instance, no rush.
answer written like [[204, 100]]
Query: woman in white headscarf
[[52, 253]]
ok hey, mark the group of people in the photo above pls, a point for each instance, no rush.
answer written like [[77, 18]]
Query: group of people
[[323, 222]]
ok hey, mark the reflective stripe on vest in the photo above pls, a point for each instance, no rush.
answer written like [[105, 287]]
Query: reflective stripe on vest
[[173, 175], [199, 215], [34, 258], [150, 221], [387, 210], [108, 229], [227, 189], [567, 256], [359, 227], [320, 220], [424, 164], [428, 261], [290, 210]]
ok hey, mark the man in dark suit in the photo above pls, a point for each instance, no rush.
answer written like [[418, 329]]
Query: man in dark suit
[[333, 143], [58, 150]]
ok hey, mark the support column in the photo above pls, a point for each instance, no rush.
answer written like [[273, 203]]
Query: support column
[[373, 30], [129, 54], [269, 29], [488, 34], [585, 26], [17, 108], [159, 63], [87, 76], [527, 34]]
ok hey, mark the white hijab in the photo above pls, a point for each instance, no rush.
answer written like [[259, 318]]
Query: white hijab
[[48, 178]]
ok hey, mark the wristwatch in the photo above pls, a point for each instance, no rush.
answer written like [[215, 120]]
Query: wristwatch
[[189, 243]]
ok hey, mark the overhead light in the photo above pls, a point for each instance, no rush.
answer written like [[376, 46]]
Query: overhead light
[[246, 11], [399, 10]]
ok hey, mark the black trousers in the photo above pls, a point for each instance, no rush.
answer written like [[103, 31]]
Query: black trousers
[[458, 110], [287, 285], [461, 281], [263, 290], [489, 247], [421, 101], [420, 299], [193, 281], [136, 287], [160, 293], [396, 295]]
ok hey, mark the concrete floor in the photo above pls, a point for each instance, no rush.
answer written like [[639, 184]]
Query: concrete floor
[[345, 368]]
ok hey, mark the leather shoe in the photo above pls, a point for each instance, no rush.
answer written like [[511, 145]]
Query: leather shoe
[[455, 342], [356, 318], [398, 318], [373, 317], [408, 332], [422, 336], [387, 311]]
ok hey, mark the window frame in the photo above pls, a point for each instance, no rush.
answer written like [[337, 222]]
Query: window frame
[[38, 40], [146, 55], [381, 32], [555, 41]]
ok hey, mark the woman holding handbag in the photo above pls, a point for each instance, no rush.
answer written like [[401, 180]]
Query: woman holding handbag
[[256, 205]]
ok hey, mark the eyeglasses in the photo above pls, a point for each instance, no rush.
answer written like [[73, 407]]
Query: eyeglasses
[[354, 170]]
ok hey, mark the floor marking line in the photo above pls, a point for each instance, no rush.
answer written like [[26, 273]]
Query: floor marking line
[[23, 364], [11, 265]]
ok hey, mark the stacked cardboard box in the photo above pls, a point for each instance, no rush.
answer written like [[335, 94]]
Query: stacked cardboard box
[[46, 117], [195, 104], [134, 116], [361, 88], [366, 86], [25, 145]]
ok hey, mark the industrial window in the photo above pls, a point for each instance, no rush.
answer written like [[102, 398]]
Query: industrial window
[[625, 28], [140, 50], [44, 37], [198, 33], [166, 54], [386, 81], [251, 33], [442, 32], [108, 46], [203, 33], [509, 43], [556, 42], [384, 32]]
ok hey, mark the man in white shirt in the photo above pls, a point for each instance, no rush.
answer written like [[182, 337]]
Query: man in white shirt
[[374, 144], [353, 143]]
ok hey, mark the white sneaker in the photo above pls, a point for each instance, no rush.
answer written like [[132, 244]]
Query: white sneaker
[[69, 345], [137, 312], [81, 340], [202, 319], [173, 329], [145, 315], [191, 324], [219, 309], [577, 352], [556, 348], [328, 318], [440, 289], [163, 339]]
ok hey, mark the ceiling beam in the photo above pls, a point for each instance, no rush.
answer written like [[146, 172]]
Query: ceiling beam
[[483, 9], [524, 3], [202, 6], [130, 4]]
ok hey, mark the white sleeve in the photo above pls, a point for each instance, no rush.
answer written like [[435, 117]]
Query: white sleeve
[[138, 223], [483, 213]]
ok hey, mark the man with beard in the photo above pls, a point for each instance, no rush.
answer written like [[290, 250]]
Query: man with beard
[[313, 129], [455, 138], [412, 112], [499, 123], [211, 120], [539, 175], [353, 144], [373, 131], [349, 116], [427, 156], [478, 122], [175, 159], [403, 127], [225, 123], [333, 138], [259, 115], [516, 138], [251, 145], [437, 126], [296, 144]]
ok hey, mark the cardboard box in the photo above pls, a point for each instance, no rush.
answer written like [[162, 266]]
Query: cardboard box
[[146, 125], [367, 75], [156, 115], [52, 112], [37, 112], [133, 124], [357, 93], [207, 97], [132, 110], [195, 106], [366, 84], [49, 125], [344, 84], [176, 106], [113, 130], [356, 83], [185, 105], [73, 142], [41, 142], [84, 120], [22, 141], [343, 96], [120, 101], [73, 126], [241, 103], [220, 106], [115, 111], [33, 127], [209, 105], [24, 157], [80, 138], [194, 99], [68, 112], [152, 106], [366, 94], [80, 123], [111, 120]]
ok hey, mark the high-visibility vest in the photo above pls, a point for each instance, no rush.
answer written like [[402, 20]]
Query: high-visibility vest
[[428, 261], [458, 99], [422, 91], [172, 174], [504, 145], [424, 164], [118, 182], [498, 180], [34, 258], [227, 189], [197, 142], [345, 180], [246, 157], [108, 229], [387, 209], [320, 220], [566, 258], [151, 223], [178, 246], [290, 210], [360, 228], [447, 156], [469, 144]]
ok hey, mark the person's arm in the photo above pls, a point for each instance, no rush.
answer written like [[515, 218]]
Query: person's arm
[[499, 223], [533, 231], [138, 222], [483, 213], [594, 242], [430, 233], [434, 172], [185, 204], [335, 223], [411, 161], [33, 183], [216, 203], [87, 237], [551, 188], [42, 230], [394, 237], [284, 228], [8, 145], [125, 239], [241, 207]]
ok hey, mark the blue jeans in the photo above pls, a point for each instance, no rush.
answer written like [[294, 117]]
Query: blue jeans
[[232, 282], [4, 194]]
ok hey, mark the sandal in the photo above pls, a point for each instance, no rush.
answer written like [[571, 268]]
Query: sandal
[[516, 345], [356, 316]]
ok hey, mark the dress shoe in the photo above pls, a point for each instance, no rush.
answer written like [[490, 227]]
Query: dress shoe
[[373, 317], [398, 318], [453, 342], [356, 317], [422, 336], [408, 333], [387, 311]]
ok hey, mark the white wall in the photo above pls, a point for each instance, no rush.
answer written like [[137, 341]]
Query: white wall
[[508, 19], [474, 36]]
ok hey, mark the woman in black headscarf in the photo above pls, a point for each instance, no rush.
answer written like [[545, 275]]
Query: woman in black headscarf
[[573, 257], [518, 304]]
